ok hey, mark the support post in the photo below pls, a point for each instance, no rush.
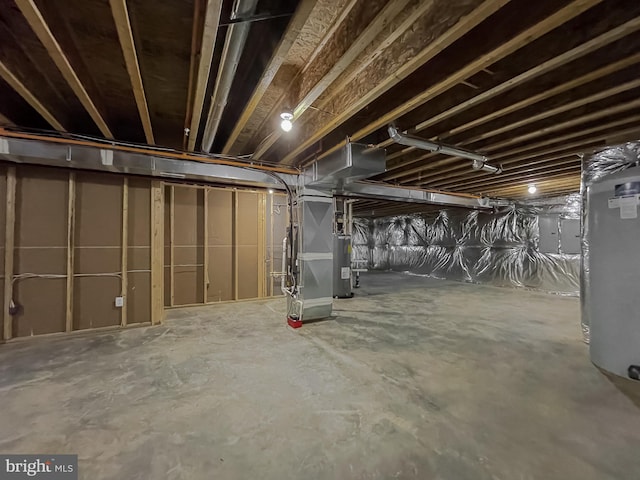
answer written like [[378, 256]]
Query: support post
[[172, 245], [125, 252], [205, 241], [71, 228], [8, 251], [157, 252]]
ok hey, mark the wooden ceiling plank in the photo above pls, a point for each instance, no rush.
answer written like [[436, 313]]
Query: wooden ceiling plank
[[390, 11], [534, 32], [536, 133], [574, 83], [209, 34], [304, 9], [541, 69], [525, 179], [551, 166], [429, 50], [575, 147], [30, 98], [125, 35], [44, 34]]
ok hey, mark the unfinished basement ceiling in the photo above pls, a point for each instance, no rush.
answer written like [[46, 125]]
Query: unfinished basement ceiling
[[529, 84]]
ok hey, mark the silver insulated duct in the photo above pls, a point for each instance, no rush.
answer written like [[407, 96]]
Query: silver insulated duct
[[233, 47]]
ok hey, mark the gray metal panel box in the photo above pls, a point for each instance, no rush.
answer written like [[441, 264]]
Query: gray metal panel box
[[549, 238], [570, 236], [612, 302], [342, 266]]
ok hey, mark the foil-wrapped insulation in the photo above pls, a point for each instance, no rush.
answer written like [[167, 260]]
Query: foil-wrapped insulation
[[497, 248]]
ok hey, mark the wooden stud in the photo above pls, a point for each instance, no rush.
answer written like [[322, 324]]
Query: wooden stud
[[262, 243], [234, 241], [172, 242], [124, 289], [9, 236], [205, 240], [157, 252], [29, 97], [209, 34], [35, 19], [71, 228], [125, 35], [572, 10]]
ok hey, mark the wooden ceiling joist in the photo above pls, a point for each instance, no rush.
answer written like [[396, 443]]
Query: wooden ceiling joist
[[386, 15], [277, 59], [571, 55], [603, 135], [376, 83], [30, 98], [209, 35], [603, 132], [125, 35], [570, 11], [42, 31], [583, 119]]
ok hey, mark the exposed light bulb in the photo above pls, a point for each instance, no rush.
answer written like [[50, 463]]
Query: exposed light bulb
[[532, 189], [271, 190], [286, 123]]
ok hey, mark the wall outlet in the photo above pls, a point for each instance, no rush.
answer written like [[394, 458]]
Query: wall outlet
[[119, 302]]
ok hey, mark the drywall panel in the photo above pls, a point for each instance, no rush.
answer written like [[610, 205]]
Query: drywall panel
[[139, 258], [247, 218], [139, 298], [94, 302], [220, 217], [189, 286], [42, 306], [98, 250], [247, 244], [139, 220], [220, 245], [188, 249], [41, 249], [247, 272], [220, 286]]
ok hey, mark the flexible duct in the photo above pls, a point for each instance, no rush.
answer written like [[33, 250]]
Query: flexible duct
[[233, 47]]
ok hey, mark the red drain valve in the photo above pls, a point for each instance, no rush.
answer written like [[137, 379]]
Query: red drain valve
[[294, 321]]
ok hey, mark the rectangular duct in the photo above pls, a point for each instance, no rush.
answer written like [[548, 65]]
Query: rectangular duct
[[352, 162]]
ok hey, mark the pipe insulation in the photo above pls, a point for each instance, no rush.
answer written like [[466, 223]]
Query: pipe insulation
[[234, 45]]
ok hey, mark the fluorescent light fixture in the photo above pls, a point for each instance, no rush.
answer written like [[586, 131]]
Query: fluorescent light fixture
[[532, 189], [286, 123]]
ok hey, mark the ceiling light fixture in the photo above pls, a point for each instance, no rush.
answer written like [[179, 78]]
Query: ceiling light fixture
[[286, 123], [532, 189]]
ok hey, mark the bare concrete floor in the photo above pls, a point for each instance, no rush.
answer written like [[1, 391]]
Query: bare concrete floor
[[413, 378]]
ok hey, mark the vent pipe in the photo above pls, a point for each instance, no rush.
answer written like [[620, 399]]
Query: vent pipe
[[233, 47], [479, 160]]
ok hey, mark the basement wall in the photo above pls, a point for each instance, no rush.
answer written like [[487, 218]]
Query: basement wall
[[221, 244], [74, 241], [534, 246]]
